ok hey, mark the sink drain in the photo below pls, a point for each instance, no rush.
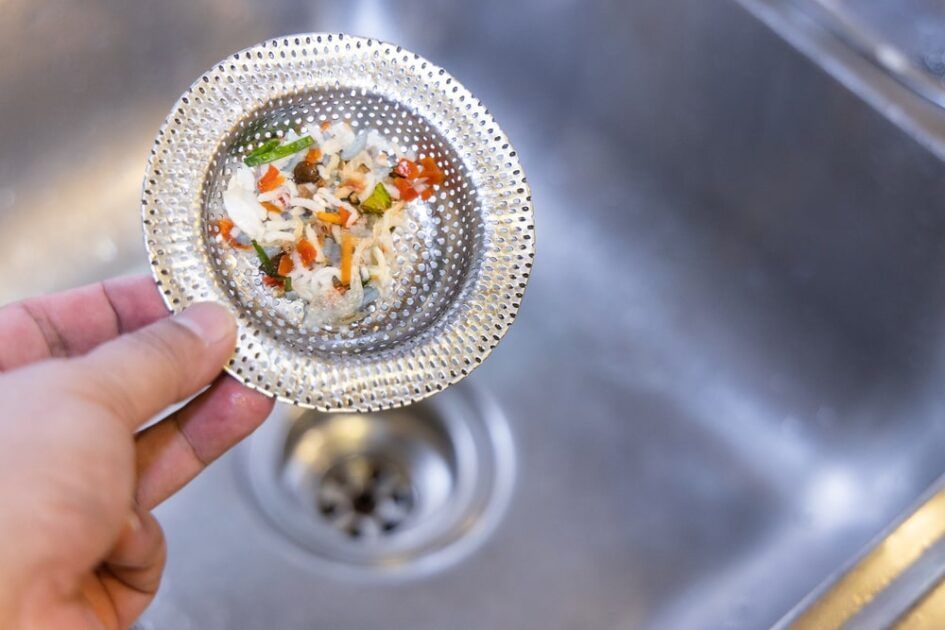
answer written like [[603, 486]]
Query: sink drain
[[393, 493], [365, 496]]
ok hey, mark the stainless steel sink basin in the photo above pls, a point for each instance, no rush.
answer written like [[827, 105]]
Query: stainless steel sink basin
[[726, 376]]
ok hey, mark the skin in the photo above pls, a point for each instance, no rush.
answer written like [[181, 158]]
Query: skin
[[81, 372]]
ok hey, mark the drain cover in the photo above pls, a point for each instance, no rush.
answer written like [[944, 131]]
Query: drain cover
[[392, 493], [363, 495]]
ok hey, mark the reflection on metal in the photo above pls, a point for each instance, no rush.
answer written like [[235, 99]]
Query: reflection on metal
[[897, 582], [844, 23], [863, 62], [78, 218]]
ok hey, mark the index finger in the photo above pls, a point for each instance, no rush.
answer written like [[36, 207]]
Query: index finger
[[73, 322]]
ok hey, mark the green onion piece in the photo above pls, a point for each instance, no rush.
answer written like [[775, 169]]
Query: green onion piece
[[287, 283], [279, 152], [265, 147], [378, 202], [267, 265]]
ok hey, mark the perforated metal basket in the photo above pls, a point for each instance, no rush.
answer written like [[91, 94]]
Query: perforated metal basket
[[463, 257]]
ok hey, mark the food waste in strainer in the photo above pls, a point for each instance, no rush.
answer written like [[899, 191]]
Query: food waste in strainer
[[357, 209], [320, 209]]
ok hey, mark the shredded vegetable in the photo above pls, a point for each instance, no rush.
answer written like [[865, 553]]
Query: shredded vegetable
[[321, 207], [225, 227], [406, 190], [271, 179], [378, 201], [307, 252], [265, 147], [279, 152], [330, 217], [285, 265], [347, 249], [431, 172], [264, 260]]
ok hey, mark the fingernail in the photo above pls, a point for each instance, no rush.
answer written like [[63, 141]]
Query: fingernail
[[211, 322]]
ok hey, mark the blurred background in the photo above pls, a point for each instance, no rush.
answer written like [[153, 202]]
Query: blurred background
[[726, 378]]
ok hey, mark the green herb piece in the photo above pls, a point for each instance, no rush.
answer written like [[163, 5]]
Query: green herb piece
[[265, 147], [378, 202], [279, 152], [265, 261]]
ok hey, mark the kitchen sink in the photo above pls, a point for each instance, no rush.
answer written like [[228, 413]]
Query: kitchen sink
[[724, 381]]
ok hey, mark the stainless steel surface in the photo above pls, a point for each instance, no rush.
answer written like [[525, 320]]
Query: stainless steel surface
[[903, 38], [907, 35], [460, 264], [863, 45], [388, 496], [725, 380]]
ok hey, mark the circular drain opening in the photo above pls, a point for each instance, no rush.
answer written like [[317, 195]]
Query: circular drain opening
[[365, 496], [393, 493]]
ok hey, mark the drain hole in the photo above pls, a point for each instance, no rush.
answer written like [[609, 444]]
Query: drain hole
[[365, 496], [364, 503]]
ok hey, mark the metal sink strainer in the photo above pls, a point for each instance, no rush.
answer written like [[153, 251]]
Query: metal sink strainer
[[463, 257]]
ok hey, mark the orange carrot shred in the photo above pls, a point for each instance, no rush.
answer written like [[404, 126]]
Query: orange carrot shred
[[329, 217], [285, 265], [272, 179], [431, 171], [407, 191], [225, 226], [347, 250], [306, 252]]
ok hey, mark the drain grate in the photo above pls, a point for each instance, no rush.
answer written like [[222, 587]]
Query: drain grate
[[365, 496], [392, 493]]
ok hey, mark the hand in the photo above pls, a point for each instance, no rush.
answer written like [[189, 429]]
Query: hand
[[80, 373]]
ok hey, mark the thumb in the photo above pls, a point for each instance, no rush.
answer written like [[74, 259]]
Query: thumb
[[139, 374]]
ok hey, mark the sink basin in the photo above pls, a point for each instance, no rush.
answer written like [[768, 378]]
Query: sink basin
[[726, 374]]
